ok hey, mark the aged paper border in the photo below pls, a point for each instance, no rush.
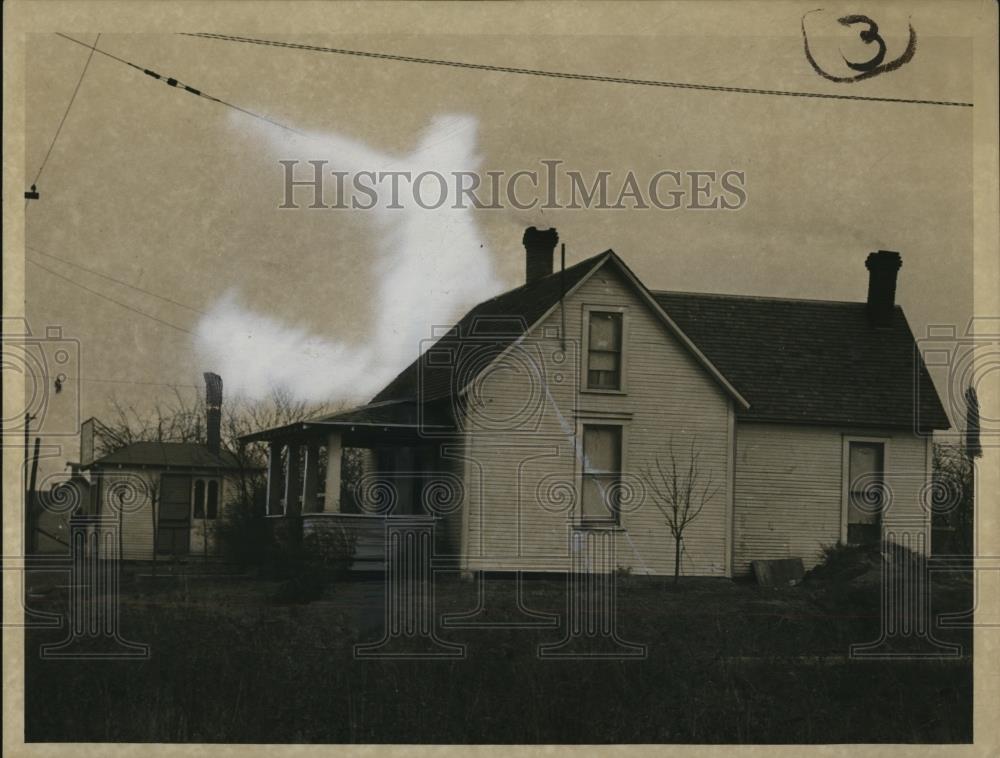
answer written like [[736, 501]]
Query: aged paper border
[[974, 18]]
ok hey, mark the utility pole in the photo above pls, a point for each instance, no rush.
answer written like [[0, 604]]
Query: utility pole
[[28, 485]]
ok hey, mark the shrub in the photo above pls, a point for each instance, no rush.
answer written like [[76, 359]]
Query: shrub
[[842, 563], [312, 564], [244, 534], [329, 552]]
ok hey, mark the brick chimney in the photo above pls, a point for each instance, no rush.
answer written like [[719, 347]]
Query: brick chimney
[[213, 411], [882, 269], [539, 252]]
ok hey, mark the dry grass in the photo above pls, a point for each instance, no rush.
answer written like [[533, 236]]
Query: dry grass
[[725, 663]]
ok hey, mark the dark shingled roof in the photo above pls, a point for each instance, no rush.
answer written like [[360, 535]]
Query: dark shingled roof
[[482, 334], [383, 414], [811, 361], [795, 361], [173, 454], [386, 414], [800, 361]]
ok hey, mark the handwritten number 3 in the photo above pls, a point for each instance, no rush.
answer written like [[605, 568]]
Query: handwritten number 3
[[866, 69], [868, 36]]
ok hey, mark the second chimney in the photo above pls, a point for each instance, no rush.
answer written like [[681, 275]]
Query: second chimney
[[213, 412], [539, 252], [882, 269]]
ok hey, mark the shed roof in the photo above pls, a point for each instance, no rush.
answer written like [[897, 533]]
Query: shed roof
[[167, 454]]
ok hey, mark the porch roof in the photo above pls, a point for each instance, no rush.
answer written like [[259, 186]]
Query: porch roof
[[388, 416]]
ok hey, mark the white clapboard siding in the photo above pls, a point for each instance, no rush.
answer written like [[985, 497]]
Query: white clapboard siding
[[522, 476], [137, 520], [908, 477], [789, 488]]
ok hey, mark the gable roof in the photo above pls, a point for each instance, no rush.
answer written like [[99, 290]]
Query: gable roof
[[164, 454], [812, 361], [490, 328], [782, 360]]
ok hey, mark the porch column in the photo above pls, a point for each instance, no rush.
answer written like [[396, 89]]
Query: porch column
[[403, 481], [310, 478], [273, 507], [292, 482], [334, 451]]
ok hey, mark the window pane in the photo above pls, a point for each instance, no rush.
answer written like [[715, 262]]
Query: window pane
[[602, 449], [602, 380], [603, 361], [212, 509], [865, 476], [599, 494], [199, 499], [866, 459], [605, 331]]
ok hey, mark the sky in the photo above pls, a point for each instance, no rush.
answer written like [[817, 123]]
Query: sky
[[179, 196]]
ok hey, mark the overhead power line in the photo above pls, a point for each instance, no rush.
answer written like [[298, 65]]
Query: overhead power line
[[164, 298], [62, 121], [178, 84], [564, 74], [177, 385], [126, 306]]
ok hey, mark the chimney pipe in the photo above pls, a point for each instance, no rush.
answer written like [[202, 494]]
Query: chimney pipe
[[213, 411], [539, 252], [882, 269]]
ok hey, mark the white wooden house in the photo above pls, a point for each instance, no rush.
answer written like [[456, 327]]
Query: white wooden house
[[168, 497], [543, 411]]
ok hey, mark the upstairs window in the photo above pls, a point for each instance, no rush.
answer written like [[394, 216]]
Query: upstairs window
[[602, 462], [604, 351]]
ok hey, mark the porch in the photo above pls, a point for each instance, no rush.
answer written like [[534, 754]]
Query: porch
[[357, 470]]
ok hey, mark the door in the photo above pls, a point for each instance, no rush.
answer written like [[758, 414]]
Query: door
[[866, 493], [173, 527]]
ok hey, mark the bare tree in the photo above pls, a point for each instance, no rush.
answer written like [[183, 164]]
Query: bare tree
[[680, 489], [182, 419], [953, 494]]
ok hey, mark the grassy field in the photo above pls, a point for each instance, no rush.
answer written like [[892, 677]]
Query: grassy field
[[725, 662]]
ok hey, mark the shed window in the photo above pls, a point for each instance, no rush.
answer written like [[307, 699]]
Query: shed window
[[604, 351], [205, 498], [199, 498], [602, 458], [212, 501]]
